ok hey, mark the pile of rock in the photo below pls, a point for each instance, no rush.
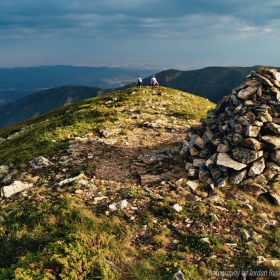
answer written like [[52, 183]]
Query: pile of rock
[[239, 141]]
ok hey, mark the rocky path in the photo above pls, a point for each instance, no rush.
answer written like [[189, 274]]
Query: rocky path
[[117, 158]]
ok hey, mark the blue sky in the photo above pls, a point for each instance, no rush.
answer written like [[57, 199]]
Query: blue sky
[[159, 34]]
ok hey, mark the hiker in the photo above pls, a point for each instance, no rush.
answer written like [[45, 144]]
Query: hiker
[[139, 82], [154, 82]]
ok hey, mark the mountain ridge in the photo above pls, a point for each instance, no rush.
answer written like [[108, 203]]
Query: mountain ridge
[[98, 189], [212, 83], [18, 82]]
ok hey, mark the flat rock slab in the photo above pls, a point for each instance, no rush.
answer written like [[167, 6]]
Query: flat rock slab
[[193, 185], [224, 160], [14, 188]]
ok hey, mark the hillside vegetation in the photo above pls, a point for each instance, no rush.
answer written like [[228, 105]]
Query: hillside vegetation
[[113, 200], [212, 83], [43, 102]]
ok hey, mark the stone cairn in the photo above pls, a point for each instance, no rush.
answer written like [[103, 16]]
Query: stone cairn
[[239, 141]]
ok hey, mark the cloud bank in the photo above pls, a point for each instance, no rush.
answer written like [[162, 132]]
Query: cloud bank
[[161, 34]]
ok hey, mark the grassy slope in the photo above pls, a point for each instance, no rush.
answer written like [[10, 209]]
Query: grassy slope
[[53, 235], [91, 115], [42, 102]]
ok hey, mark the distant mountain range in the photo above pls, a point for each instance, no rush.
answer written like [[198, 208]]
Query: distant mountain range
[[212, 83], [16, 83]]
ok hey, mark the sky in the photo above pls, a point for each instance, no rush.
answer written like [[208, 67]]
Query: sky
[[156, 34]]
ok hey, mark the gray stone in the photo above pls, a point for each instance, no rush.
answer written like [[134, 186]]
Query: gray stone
[[148, 178], [191, 172], [208, 136], [198, 162], [179, 276], [236, 176], [193, 185], [245, 155], [259, 91], [107, 132], [215, 172], [184, 147], [257, 123], [204, 174], [224, 160], [271, 141], [252, 131], [257, 167], [261, 79], [211, 161], [276, 76], [275, 156], [252, 143], [222, 148], [222, 182], [235, 144], [249, 103], [118, 206], [40, 162], [176, 207], [71, 180], [156, 155], [275, 128], [264, 117], [196, 142], [3, 170], [205, 153], [14, 188], [246, 93], [205, 240]]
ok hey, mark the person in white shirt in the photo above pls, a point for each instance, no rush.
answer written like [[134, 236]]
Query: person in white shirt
[[139, 82], [154, 82]]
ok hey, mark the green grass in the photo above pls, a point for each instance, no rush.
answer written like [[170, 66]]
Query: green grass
[[50, 235], [48, 133], [64, 240]]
